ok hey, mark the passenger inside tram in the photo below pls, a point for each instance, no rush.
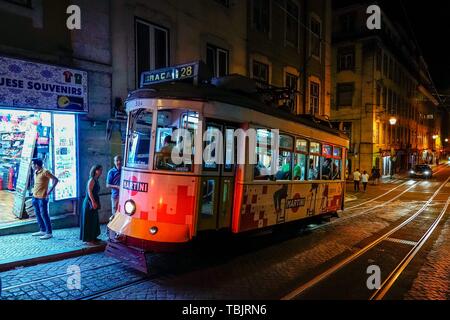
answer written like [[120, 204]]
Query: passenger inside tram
[[299, 167], [327, 170], [313, 170], [285, 167], [168, 121]]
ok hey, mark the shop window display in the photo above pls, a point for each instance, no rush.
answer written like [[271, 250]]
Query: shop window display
[[14, 127]]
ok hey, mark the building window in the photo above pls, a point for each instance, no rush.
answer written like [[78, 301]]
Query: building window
[[385, 65], [225, 3], [347, 22], [260, 71], [391, 69], [314, 97], [261, 15], [345, 94], [378, 59], [378, 97], [152, 48], [346, 59], [217, 60], [292, 22], [292, 83], [315, 37]]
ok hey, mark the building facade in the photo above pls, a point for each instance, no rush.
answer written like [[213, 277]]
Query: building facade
[[120, 39], [382, 95], [60, 80], [289, 45]]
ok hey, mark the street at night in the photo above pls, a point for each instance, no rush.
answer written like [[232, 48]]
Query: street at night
[[379, 228], [234, 158]]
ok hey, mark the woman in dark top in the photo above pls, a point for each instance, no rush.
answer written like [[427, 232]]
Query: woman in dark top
[[90, 225]]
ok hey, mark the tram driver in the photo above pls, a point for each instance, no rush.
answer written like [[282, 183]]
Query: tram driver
[[164, 156]]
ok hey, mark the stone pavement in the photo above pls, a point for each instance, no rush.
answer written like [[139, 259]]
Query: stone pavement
[[433, 280], [23, 249], [260, 267]]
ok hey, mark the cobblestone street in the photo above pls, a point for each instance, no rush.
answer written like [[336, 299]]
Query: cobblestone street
[[22, 247], [266, 266]]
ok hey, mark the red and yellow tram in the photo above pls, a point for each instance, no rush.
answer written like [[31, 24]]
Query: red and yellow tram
[[164, 203]]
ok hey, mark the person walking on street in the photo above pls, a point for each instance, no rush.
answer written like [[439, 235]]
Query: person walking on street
[[41, 193], [365, 180], [89, 224], [375, 176], [356, 179], [113, 182]]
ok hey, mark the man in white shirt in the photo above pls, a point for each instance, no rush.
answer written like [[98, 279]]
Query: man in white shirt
[[356, 179], [365, 180]]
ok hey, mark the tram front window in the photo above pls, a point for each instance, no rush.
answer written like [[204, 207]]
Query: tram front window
[[169, 144], [139, 138]]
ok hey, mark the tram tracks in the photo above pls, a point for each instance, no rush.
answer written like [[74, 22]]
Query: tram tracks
[[390, 280], [102, 293], [57, 276], [342, 219]]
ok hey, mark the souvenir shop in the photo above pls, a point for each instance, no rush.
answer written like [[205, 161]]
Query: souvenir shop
[[39, 104]]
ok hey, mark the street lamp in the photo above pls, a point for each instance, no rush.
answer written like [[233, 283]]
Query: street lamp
[[393, 122]]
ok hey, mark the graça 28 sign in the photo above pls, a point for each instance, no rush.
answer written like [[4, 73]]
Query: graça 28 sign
[[175, 73]]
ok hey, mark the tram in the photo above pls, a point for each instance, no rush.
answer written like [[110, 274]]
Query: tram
[[165, 203]]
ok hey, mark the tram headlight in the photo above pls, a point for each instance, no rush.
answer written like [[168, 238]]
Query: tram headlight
[[153, 230], [130, 207]]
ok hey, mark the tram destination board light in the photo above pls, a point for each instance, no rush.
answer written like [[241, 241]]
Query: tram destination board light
[[176, 73]]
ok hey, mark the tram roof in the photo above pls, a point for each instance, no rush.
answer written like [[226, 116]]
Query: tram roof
[[209, 92]]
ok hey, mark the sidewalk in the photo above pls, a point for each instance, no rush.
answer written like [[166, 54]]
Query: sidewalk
[[20, 250]]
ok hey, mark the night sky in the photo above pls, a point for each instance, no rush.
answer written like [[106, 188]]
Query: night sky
[[431, 24], [429, 20]]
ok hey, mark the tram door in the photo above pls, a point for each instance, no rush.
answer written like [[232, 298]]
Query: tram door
[[217, 184]]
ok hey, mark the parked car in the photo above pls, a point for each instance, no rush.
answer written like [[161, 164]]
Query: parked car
[[421, 170]]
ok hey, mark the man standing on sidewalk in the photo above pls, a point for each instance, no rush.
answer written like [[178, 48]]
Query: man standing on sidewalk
[[113, 182], [356, 179], [41, 193]]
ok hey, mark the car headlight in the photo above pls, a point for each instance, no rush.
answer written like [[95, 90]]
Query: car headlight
[[427, 173], [412, 172], [130, 207]]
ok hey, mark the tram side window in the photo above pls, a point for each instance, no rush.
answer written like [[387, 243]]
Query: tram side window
[[327, 163], [139, 139], [262, 169], [337, 163], [314, 161], [167, 142], [284, 171], [300, 159]]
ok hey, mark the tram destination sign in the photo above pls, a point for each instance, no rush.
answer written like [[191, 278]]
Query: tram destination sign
[[175, 73]]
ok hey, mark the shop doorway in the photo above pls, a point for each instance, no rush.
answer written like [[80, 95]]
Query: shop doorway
[[25, 135], [387, 166]]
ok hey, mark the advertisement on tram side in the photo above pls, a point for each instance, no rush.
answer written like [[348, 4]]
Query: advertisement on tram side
[[268, 205]]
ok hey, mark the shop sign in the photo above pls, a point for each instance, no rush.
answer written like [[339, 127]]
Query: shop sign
[[31, 85]]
